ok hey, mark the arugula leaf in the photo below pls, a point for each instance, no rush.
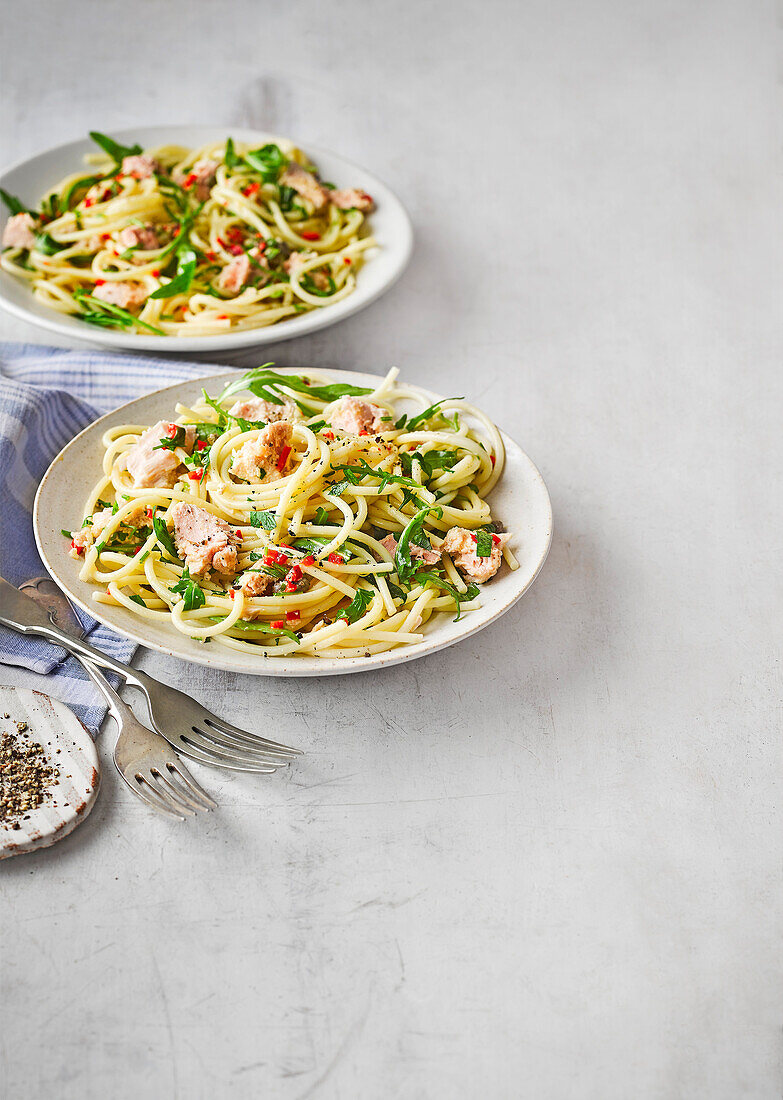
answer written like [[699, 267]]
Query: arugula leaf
[[314, 544], [483, 544], [459, 598], [222, 414], [136, 599], [269, 160], [181, 241], [191, 593], [105, 314], [311, 288], [267, 520], [231, 157], [405, 565], [321, 517], [357, 607], [48, 245], [430, 461], [68, 534], [257, 626], [263, 382], [14, 205], [116, 151], [415, 421], [395, 591], [180, 284], [85, 183], [355, 473], [317, 426], [164, 537], [171, 444]]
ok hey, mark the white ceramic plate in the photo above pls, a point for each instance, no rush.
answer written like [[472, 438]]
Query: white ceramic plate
[[520, 501], [391, 227]]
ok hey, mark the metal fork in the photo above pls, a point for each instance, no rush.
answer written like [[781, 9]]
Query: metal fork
[[188, 726], [143, 759], [146, 762]]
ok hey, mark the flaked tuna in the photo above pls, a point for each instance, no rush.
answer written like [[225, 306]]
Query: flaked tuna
[[255, 408], [153, 466], [265, 456], [358, 417], [258, 584], [461, 546], [140, 167], [19, 231], [418, 553], [306, 185], [352, 198], [139, 236], [203, 540], [123, 294], [199, 178], [235, 275]]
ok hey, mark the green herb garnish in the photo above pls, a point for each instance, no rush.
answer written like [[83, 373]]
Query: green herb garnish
[[191, 593]]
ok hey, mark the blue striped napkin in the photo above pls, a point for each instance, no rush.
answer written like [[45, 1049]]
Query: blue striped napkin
[[47, 395]]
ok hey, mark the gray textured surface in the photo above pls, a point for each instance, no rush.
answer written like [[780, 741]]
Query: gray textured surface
[[545, 863]]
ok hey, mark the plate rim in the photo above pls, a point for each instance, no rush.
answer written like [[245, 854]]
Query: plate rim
[[305, 325], [288, 666]]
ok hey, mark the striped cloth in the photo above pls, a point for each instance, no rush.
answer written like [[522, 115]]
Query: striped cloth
[[47, 396]]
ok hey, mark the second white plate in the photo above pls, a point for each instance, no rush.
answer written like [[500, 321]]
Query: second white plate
[[520, 501], [390, 224]]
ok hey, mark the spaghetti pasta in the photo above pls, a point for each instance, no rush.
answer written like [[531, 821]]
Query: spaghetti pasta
[[305, 517], [190, 242]]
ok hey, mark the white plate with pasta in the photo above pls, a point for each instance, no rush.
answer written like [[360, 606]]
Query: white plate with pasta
[[294, 522], [193, 238]]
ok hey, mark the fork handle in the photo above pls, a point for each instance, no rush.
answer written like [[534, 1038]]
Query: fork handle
[[21, 613]]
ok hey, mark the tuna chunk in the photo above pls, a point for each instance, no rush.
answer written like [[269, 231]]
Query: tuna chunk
[[305, 184], [203, 540], [418, 553], [352, 199], [200, 178], [122, 294], [356, 416], [261, 458], [140, 167], [139, 236], [257, 409], [234, 277], [19, 231], [258, 584], [153, 466], [461, 546]]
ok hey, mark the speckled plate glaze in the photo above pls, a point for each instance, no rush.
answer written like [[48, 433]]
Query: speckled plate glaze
[[390, 225], [55, 727], [520, 501]]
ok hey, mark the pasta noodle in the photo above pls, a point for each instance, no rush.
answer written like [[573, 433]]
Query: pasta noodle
[[307, 566], [190, 242]]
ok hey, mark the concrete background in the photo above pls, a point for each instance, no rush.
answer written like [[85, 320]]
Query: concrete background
[[545, 863]]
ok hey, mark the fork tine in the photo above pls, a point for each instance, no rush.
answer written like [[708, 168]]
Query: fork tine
[[226, 727], [204, 740], [178, 793], [248, 741], [154, 781], [141, 793], [237, 749], [198, 792], [189, 748]]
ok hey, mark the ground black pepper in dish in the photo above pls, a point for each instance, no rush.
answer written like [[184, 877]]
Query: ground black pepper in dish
[[26, 776]]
